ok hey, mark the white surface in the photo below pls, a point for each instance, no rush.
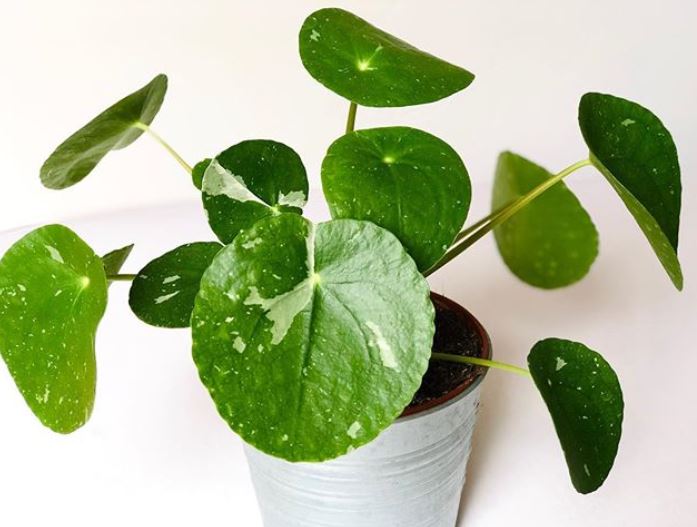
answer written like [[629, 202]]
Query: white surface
[[155, 452]]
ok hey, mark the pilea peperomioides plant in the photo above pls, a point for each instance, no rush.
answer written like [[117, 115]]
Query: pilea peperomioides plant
[[313, 338]]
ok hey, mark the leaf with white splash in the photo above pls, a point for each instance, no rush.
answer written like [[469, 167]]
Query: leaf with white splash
[[53, 293], [312, 350], [162, 293], [249, 181]]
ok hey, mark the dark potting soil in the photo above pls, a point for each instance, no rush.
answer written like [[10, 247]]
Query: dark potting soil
[[454, 336]]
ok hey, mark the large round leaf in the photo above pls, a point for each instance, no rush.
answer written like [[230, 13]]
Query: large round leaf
[[311, 340], [552, 241], [584, 398], [370, 67], [405, 180], [114, 128], [637, 155], [53, 293], [163, 292], [249, 181]]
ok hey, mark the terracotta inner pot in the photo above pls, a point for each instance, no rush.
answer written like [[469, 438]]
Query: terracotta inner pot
[[466, 319]]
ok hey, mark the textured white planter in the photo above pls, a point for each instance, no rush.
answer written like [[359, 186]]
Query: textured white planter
[[411, 476]]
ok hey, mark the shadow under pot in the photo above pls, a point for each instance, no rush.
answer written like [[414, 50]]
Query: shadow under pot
[[412, 475]]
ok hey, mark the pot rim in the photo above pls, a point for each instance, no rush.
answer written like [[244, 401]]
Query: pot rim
[[463, 389]]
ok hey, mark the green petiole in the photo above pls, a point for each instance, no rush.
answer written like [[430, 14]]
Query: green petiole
[[166, 146], [480, 362]]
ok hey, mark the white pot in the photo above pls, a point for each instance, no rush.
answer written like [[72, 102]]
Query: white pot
[[411, 476]]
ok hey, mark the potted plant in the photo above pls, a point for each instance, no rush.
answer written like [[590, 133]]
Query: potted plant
[[355, 388]]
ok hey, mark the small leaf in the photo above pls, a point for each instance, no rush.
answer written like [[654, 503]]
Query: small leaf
[[636, 154], [250, 181], [52, 297], [552, 241], [312, 340], [163, 292], [370, 67], [584, 398], [113, 129], [198, 172], [405, 180], [114, 260]]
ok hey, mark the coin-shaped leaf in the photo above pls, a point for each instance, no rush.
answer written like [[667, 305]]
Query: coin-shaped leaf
[[53, 293], [552, 241], [370, 67], [312, 339], [163, 292], [249, 181], [405, 180], [584, 398], [637, 155], [114, 128]]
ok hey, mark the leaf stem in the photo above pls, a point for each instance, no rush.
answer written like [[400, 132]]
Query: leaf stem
[[351, 121], [120, 277], [472, 234], [165, 144], [480, 362]]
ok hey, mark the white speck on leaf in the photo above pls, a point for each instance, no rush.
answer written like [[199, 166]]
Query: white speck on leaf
[[389, 360], [354, 429], [171, 279], [164, 298], [560, 363], [628, 122], [55, 254], [239, 344]]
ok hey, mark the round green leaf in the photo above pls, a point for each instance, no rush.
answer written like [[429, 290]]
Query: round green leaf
[[552, 241], [637, 155], [405, 180], [163, 292], [114, 260], [115, 128], [370, 67], [584, 398], [52, 297], [311, 340], [250, 181]]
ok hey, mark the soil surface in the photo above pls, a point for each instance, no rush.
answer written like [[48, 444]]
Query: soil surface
[[454, 336]]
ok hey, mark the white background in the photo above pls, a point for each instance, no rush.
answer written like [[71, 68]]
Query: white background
[[155, 453]]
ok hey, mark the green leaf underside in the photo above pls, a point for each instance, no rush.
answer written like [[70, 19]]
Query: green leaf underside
[[111, 130], [250, 181], [637, 155], [312, 339], [552, 241], [163, 292], [52, 297], [114, 260], [198, 171], [405, 180], [584, 398], [370, 67]]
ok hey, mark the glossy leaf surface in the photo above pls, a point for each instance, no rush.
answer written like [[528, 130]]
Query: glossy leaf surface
[[52, 297], [552, 241], [250, 181], [370, 67], [112, 129], [311, 340], [584, 398], [405, 180], [637, 155], [163, 292]]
